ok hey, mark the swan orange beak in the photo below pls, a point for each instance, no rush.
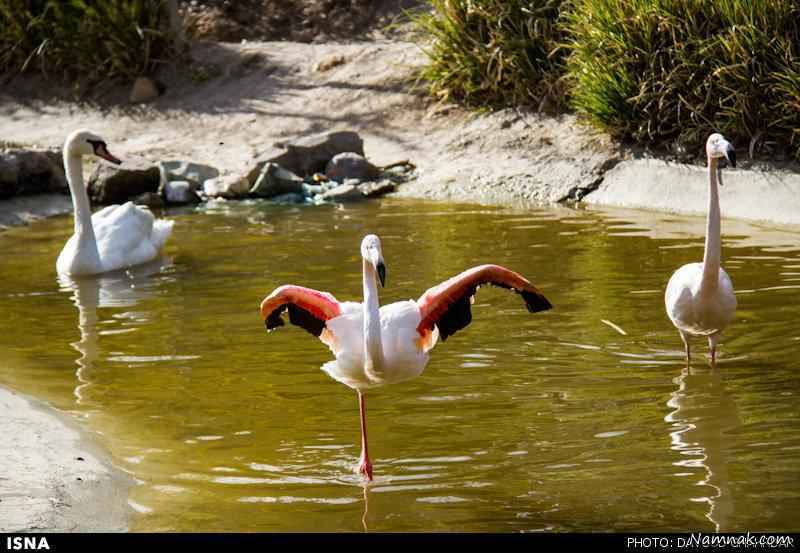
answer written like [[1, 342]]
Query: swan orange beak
[[102, 151]]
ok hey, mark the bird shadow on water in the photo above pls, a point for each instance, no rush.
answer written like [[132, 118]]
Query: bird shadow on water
[[124, 288], [703, 412]]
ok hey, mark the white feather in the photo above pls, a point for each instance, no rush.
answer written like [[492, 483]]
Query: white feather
[[115, 237], [403, 356]]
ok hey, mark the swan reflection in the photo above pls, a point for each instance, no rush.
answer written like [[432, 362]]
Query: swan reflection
[[123, 288]]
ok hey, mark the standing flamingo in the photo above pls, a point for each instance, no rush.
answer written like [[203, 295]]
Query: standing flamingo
[[699, 297], [374, 345]]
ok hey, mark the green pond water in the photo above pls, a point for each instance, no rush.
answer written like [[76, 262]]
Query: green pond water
[[580, 418]]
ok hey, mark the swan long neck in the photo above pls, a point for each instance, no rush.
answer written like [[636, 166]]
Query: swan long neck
[[80, 198], [373, 347], [712, 254]]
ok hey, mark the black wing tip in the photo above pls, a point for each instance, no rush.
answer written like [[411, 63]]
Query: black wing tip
[[274, 319], [305, 320], [535, 302], [297, 316]]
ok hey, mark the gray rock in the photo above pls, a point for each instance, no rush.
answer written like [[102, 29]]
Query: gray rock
[[22, 210], [180, 192], [342, 193], [349, 165], [113, 184], [31, 172], [375, 189], [9, 176], [290, 198], [150, 199], [193, 173], [227, 186], [274, 180], [309, 155], [311, 190]]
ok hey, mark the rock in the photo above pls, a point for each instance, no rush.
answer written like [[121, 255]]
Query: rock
[[227, 186], [290, 198], [274, 180], [113, 184], [180, 192], [150, 199], [329, 185], [193, 173], [349, 165], [311, 190], [144, 90], [31, 172], [309, 155], [9, 175], [375, 189], [330, 62], [342, 193], [402, 169]]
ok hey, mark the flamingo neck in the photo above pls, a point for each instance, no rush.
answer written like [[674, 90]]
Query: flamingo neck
[[712, 253], [80, 200], [373, 348]]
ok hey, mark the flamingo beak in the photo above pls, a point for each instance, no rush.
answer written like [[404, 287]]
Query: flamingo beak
[[381, 268], [730, 154]]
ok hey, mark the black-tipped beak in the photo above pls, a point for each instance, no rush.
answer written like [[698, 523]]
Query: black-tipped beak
[[381, 268], [101, 150], [730, 155]]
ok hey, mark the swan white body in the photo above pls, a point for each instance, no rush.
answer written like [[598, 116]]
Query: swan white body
[[117, 236], [699, 299], [374, 345]]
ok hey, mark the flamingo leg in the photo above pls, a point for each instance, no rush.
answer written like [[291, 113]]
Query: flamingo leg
[[712, 345], [685, 339], [364, 466]]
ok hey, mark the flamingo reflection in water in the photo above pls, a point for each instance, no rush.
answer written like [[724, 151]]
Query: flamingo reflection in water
[[703, 412]]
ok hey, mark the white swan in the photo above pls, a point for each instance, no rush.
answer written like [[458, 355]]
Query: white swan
[[117, 236], [375, 345], [699, 297]]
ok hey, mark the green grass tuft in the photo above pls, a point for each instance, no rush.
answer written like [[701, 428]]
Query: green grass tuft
[[659, 72], [494, 52], [84, 39], [672, 71]]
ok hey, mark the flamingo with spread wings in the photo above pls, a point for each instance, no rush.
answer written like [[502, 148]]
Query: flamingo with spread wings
[[377, 345]]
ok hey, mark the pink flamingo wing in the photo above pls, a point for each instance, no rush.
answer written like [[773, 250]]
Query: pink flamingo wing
[[447, 305], [308, 308]]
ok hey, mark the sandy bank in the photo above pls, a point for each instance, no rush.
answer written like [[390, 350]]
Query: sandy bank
[[251, 96], [755, 195], [52, 478]]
